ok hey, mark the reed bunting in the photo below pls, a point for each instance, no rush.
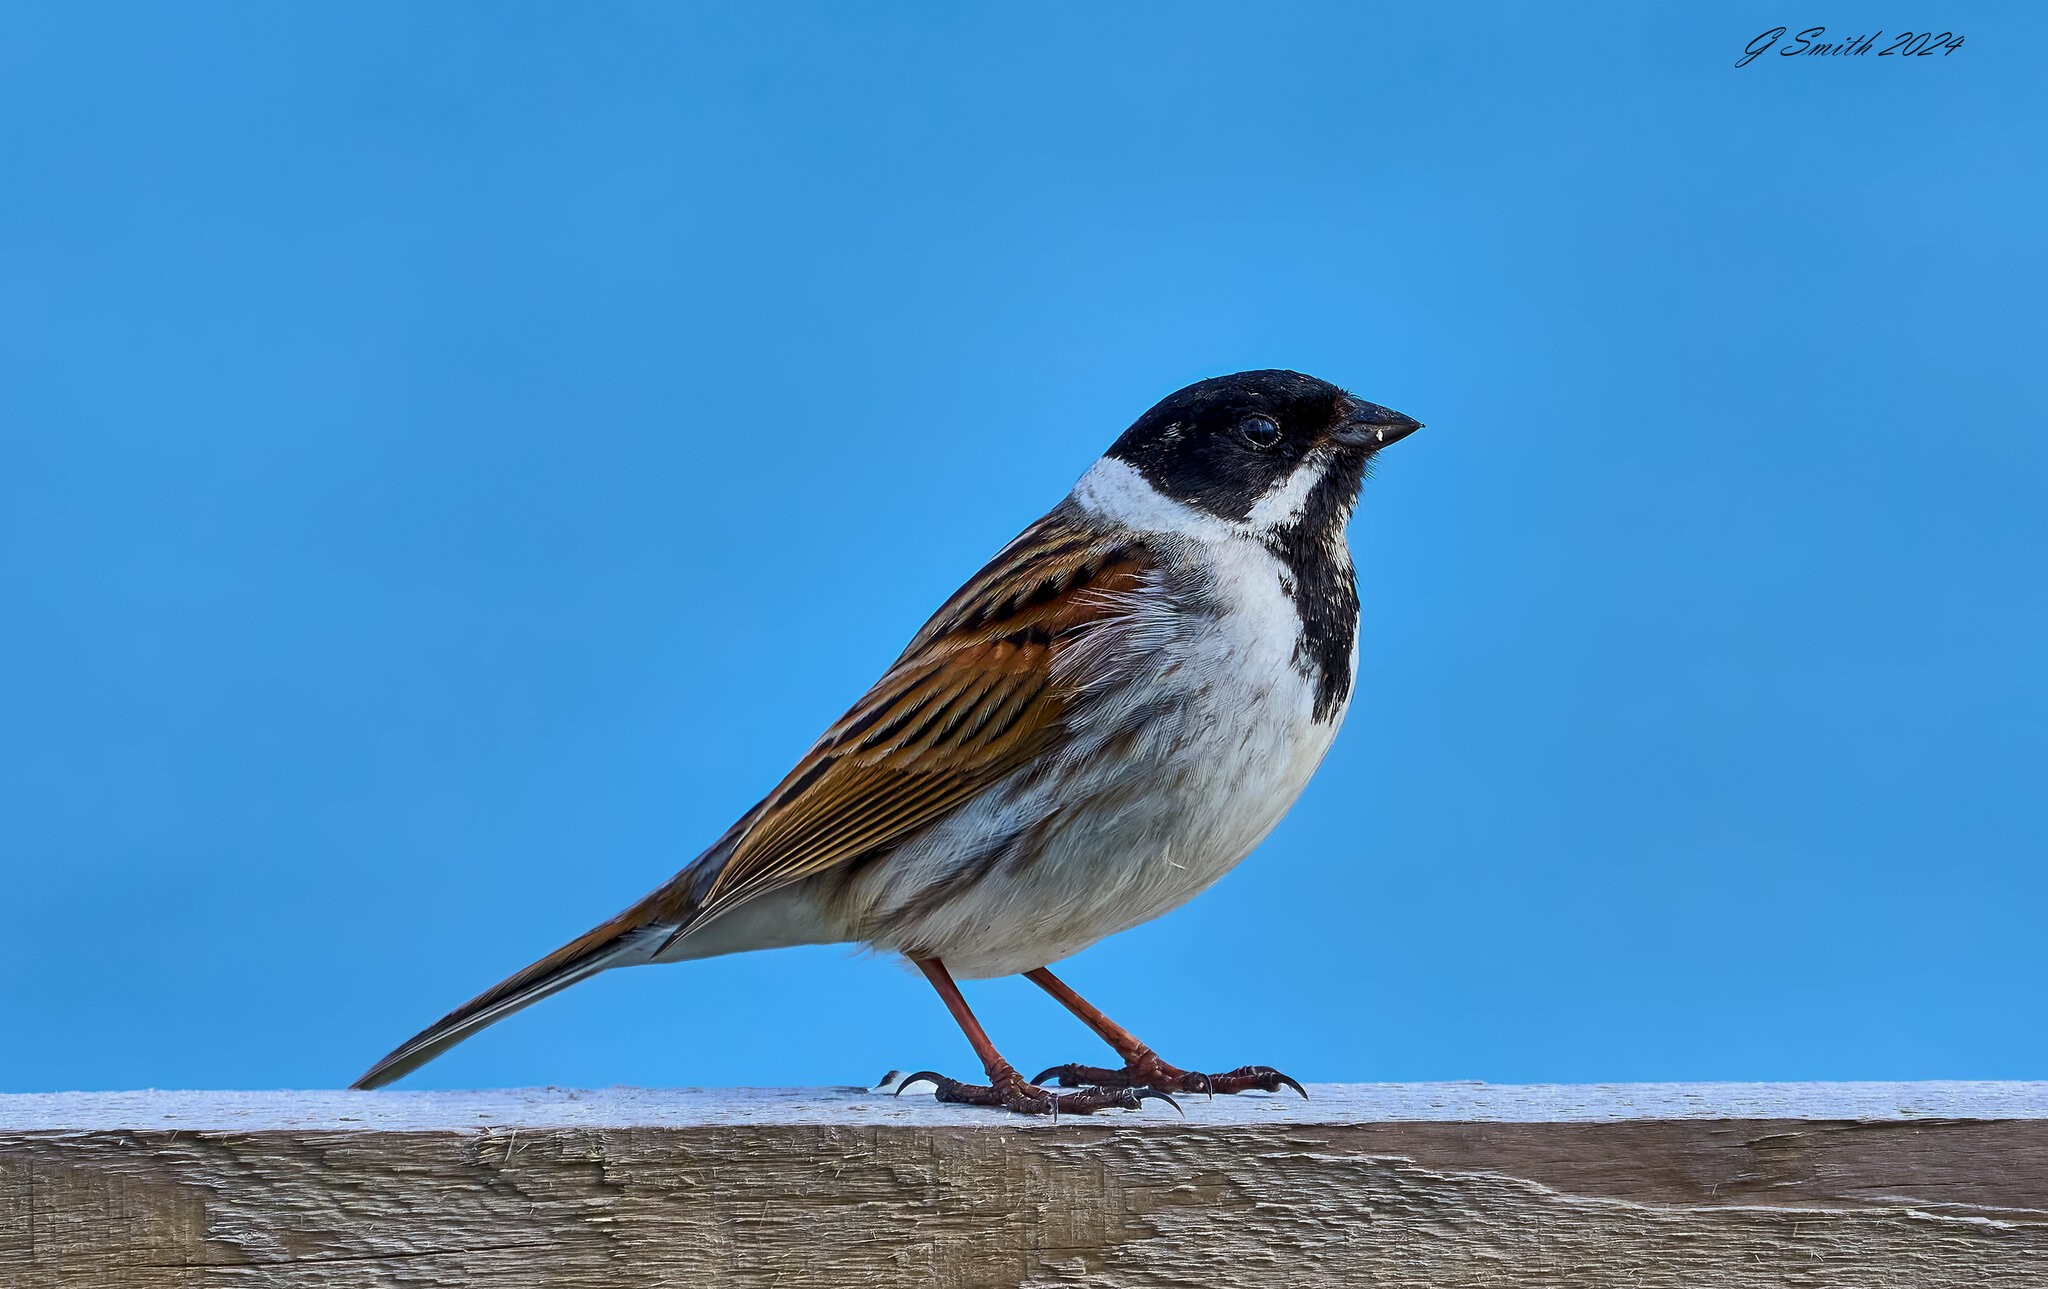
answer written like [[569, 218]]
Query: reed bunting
[[1098, 725]]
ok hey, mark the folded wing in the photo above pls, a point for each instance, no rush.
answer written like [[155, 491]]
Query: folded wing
[[975, 697]]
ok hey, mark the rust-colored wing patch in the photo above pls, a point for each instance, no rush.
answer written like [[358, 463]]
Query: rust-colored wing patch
[[972, 699]]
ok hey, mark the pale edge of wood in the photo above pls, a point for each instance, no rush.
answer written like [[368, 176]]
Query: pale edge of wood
[[1851, 1185], [1328, 1103]]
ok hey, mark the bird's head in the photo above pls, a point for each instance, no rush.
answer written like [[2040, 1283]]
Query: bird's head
[[1260, 447]]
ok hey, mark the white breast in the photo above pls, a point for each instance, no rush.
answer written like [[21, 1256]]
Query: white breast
[[1197, 737]]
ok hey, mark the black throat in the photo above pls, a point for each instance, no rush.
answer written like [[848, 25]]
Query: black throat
[[1321, 583], [1222, 445]]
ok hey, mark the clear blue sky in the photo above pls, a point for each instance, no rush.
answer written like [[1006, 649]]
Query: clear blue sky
[[453, 459]]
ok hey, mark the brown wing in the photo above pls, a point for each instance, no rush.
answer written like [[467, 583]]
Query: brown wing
[[971, 700]]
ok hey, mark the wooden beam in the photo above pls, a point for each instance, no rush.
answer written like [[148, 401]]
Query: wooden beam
[[1706, 1186]]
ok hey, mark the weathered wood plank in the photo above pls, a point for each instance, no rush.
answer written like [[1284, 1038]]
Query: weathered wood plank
[[1862, 1185]]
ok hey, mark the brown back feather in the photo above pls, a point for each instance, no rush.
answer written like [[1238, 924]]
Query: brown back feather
[[972, 699]]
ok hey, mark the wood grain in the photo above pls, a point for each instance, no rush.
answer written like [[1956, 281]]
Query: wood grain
[[1852, 1185]]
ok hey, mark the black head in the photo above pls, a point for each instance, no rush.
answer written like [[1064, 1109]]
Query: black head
[[1223, 443]]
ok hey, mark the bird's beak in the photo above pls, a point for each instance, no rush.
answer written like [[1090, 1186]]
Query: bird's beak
[[1368, 425]]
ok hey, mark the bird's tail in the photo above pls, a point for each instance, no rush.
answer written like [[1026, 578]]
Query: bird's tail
[[638, 935], [625, 940]]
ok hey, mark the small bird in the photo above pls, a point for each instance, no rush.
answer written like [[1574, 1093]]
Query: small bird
[[1102, 722]]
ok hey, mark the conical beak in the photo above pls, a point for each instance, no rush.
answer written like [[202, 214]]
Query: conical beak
[[1368, 425]]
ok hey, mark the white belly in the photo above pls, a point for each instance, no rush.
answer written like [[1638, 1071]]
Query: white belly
[[1192, 756]]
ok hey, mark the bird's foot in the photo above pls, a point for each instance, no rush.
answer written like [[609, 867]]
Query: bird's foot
[[1009, 1090], [1148, 1071]]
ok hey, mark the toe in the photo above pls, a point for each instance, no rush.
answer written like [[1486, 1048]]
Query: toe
[[1263, 1078], [1085, 1076]]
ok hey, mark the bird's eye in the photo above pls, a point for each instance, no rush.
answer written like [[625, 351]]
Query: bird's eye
[[1259, 431]]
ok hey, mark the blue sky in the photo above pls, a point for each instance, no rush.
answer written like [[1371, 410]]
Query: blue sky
[[454, 458]]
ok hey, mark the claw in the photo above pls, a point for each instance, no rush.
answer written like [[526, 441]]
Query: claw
[[1153, 1094], [1072, 1075], [1263, 1077], [1157, 1075], [1273, 1080], [1096, 1088], [922, 1076], [1007, 1091]]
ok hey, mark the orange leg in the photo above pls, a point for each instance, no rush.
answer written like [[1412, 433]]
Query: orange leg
[[1006, 1087], [1142, 1066]]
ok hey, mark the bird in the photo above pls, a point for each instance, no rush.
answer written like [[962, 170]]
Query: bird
[[1102, 722]]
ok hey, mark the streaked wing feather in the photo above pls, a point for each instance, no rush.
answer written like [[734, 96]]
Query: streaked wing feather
[[973, 699]]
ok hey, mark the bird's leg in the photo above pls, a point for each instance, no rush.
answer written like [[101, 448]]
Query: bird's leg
[[1006, 1087], [1142, 1066]]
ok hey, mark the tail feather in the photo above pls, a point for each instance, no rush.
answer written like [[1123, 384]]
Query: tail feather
[[638, 935], [623, 941]]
